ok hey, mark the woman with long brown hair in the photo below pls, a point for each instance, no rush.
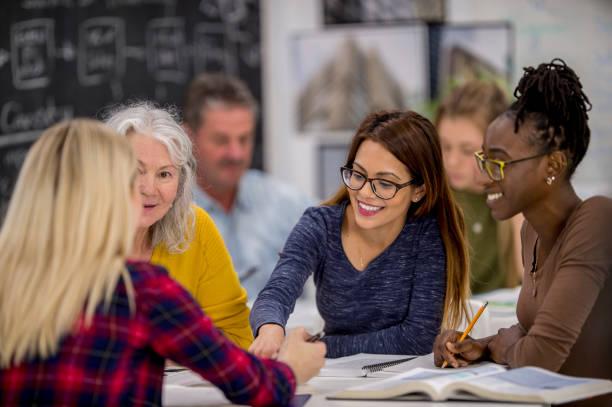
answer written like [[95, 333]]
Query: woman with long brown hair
[[387, 251]]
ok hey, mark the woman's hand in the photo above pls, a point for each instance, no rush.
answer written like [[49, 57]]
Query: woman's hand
[[304, 358], [458, 354], [504, 340], [268, 342]]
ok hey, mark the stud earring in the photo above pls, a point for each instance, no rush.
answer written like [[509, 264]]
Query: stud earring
[[550, 180]]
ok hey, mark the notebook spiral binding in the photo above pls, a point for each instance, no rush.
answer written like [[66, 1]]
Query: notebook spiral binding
[[377, 367]]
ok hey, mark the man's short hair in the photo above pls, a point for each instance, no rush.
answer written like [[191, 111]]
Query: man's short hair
[[215, 89]]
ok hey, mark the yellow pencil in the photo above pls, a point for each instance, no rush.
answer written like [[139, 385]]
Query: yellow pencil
[[470, 326]]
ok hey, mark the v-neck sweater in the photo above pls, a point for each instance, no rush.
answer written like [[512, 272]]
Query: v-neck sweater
[[394, 306]]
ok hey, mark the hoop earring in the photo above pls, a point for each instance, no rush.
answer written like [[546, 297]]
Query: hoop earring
[[550, 180]]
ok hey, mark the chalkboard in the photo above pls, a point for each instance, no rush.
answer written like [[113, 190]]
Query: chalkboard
[[71, 58]]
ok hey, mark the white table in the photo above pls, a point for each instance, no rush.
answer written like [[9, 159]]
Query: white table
[[500, 314], [318, 387]]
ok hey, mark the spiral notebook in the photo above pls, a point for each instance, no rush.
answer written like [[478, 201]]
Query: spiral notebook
[[361, 364]]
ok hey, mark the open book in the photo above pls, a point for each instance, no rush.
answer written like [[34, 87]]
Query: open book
[[486, 382], [361, 364]]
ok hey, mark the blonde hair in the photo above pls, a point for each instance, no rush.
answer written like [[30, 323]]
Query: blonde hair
[[480, 101], [65, 238], [176, 229], [413, 140]]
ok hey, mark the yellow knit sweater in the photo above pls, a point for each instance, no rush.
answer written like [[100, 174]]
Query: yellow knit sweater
[[205, 269]]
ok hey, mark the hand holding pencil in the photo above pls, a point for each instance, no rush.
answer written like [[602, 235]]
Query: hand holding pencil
[[445, 347]]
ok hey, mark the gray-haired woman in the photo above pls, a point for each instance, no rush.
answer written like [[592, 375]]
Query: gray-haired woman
[[172, 231]]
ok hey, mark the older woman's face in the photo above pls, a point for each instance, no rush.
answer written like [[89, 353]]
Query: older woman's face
[[158, 178]]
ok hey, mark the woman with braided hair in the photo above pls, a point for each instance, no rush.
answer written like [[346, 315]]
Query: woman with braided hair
[[529, 155]]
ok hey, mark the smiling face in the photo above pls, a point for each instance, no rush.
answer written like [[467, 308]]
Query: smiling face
[[371, 212], [523, 183], [158, 178], [460, 138]]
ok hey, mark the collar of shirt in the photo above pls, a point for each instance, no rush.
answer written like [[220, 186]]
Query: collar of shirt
[[243, 198]]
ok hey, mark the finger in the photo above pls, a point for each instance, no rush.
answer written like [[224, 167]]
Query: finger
[[438, 359], [439, 354], [463, 362], [460, 347], [266, 352], [451, 336], [254, 347], [450, 357], [472, 355]]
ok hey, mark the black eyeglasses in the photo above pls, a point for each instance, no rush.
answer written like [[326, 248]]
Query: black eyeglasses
[[382, 188]]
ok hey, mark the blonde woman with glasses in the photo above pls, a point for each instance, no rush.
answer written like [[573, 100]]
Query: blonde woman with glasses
[[173, 232], [79, 325]]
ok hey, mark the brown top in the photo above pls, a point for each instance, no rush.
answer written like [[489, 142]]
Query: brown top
[[568, 322]]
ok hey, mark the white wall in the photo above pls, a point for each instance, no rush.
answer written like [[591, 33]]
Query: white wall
[[286, 155], [578, 31]]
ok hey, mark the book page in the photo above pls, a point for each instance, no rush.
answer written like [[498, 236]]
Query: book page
[[428, 381], [352, 366], [426, 362], [440, 382], [536, 379], [535, 384]]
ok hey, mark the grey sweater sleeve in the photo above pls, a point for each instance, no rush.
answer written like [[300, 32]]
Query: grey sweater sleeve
[[417, 332], [300, 257]]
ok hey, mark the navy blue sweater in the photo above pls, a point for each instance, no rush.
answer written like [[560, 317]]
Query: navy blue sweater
[[394, 306]]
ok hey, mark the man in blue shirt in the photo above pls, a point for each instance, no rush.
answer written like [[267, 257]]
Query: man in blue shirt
[[253, 212]]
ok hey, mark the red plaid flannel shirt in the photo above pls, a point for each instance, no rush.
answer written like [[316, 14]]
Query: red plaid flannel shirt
[[119, 359]]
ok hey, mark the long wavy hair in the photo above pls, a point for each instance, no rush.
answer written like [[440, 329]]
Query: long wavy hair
[[175, 229], [413, 140], [65, 238]]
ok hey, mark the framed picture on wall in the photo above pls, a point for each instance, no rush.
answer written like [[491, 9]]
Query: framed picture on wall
[[345, 73], [330, 158], [472, 51]]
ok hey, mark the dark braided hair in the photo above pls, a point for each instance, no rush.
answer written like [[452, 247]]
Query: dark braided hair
[[551, 97]]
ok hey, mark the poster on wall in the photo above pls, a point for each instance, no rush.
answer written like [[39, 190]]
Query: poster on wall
[[331, 156], [343, 74], [472, 51]]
